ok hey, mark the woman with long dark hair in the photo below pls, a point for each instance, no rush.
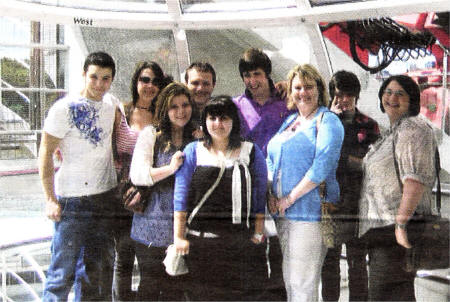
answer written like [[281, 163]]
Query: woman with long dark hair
[[146, 83]]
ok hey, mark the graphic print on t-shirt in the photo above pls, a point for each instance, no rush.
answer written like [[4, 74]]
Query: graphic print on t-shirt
[[84, 117]]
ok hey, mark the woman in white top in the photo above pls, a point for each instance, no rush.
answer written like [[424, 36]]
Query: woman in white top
[[156, 158]]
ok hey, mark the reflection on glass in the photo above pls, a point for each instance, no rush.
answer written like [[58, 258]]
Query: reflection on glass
[[286, 46], [148, 6], [14, 31], [329, 2], [128, 47], [198, 6]]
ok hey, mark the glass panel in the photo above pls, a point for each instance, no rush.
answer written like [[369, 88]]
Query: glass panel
[[32, 78], [147, 6], [14, 31], [128, 47], [286, 46], [368, 100], [328, 2], [15, 73], [412, 59], [198, 6]]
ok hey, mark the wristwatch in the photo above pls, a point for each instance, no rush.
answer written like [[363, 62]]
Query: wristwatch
[[401, 226]]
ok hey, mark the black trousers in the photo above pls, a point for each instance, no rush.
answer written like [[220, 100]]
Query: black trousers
[[388, 281], [275, 291], [357, 272], [124, 259], [155, 284], [228, 268]]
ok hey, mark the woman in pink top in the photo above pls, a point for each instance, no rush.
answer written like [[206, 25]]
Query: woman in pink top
[[147, 82]]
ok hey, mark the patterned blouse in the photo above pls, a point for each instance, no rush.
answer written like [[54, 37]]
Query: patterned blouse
[[381, 194]]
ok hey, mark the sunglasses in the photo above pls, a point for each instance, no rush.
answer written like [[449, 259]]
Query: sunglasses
[[148, 80]]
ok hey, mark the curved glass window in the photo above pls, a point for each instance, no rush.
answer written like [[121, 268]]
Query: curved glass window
[[140, 45], [139, 6], [199, 6], [286, 46], [328, 2]]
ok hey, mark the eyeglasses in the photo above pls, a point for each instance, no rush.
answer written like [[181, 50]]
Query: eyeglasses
[[148, 80], [397, 93]]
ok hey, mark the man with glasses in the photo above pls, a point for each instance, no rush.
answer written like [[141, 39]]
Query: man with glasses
[[79, 197], [360, 132]]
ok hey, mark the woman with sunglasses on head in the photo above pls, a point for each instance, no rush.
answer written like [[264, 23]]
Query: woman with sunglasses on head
[[390, 198], [225, 239], [156, 158], [147, 81]]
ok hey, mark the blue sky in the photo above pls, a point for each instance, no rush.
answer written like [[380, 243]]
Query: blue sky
[[13, 30]]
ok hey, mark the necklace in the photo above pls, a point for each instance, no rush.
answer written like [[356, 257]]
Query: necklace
[[306, 117], [300, 119], [143, 108]]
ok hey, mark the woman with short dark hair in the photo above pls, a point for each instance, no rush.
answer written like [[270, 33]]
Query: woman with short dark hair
[[391, 197], [225, 239]]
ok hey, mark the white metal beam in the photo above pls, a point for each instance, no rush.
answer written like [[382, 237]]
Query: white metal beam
[[317, 44], [216, 20], [84, 17], [179, 35]]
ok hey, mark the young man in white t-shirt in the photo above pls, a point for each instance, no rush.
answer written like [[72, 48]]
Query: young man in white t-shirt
[[79, 196]]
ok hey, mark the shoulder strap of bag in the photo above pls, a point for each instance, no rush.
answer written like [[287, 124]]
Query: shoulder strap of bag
[[438, 185], [318, 121], [437, 165], [322, 185], [208, 193]]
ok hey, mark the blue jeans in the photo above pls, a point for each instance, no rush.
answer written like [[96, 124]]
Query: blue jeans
[[85, 230]]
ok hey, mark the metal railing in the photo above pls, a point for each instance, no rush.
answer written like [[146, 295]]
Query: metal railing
[[21, 274], [25, 250]]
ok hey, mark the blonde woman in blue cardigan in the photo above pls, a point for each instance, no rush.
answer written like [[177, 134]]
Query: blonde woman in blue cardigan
[[301, 155]]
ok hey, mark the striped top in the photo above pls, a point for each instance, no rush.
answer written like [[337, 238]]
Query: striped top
[[126, 137]]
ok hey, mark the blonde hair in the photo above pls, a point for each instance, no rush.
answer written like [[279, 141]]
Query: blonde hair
[[307, 72]]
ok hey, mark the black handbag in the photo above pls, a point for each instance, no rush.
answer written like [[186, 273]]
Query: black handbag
[[135, 198], [430, 248]]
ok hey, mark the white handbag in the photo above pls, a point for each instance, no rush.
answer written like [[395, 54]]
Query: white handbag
[[175, 263]]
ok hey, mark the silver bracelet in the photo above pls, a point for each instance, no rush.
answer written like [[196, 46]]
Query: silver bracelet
[[289, 199], [401, 226]]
